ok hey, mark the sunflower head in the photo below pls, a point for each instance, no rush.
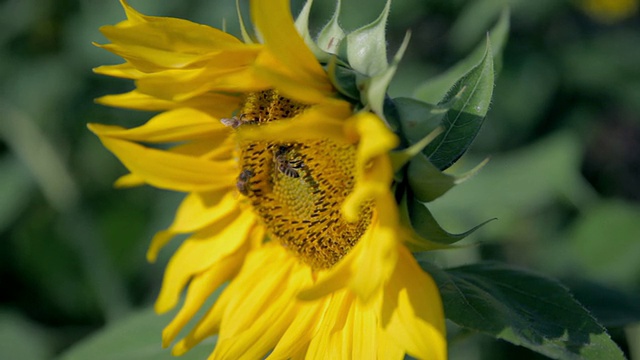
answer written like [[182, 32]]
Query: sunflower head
[[298, 187], [295, 176]]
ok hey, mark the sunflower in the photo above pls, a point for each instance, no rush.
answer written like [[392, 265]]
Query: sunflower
[[289, 208], [609, 11]]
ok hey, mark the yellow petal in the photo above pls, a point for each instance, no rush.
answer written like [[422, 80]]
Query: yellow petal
[[329, 281], [180, 85], [374, 261], [181, 124], [364, 331], [262, 332], [244, 299], [365, 269], [387, 348], [327, 344], [259, 296], [275, 23], [375, 137], [373, 184], [317, 122], [200, 288], [167, 170], [305, 325], [288, 82], [241, 80], [413, 310], [149, 59], [201, 209], [200, 252], [126, 71], [293, 130], [127, 181], [196, 211], [205, 150], [209, 325], [188, 34], [132, 15], [151, 42], [373, 167], [217, 105]]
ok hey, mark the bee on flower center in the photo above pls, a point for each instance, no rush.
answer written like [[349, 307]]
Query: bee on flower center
[[243, 181], [285, 165]]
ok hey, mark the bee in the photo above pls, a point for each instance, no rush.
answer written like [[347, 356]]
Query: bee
[[233, 121], [285, 165], [236, 121], [243, 181]]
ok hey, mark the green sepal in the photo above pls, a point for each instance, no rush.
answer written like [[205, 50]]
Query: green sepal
[[246, 38], [428, 234], [344, 79], [435, 89], [429, 183], [374, 88], [302, 25], [392, 118], [399, 158], [366, 47], [331, 35], [468, 103], [523, 308]]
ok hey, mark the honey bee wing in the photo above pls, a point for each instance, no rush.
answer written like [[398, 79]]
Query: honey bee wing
[[232, 122], [290, 172], [296, 164]]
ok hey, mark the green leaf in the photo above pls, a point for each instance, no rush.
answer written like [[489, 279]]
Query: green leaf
[[522, 308], [612, 307], [435, 89], [366, 47], [469, 102], [139, 337], [461, 115], [418, 119]]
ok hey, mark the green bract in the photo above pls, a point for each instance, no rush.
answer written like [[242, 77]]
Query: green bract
[[435, 132]]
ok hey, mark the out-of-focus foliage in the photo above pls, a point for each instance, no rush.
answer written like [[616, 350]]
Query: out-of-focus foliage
[[563, 135]]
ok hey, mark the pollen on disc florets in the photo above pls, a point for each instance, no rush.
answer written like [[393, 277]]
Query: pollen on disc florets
[[297, 188]]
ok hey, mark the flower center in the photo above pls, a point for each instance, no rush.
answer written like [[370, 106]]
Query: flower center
[[297, 188]]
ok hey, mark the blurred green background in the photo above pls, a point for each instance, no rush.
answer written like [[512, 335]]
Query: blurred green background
[[563, 136]]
